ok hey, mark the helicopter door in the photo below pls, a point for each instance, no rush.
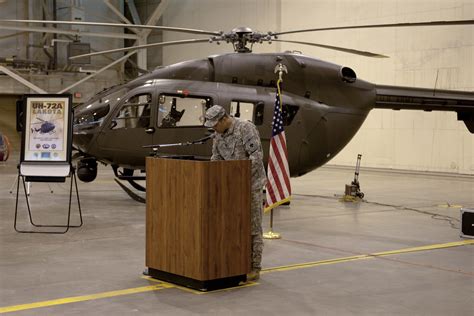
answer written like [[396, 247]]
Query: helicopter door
[[129, 130]]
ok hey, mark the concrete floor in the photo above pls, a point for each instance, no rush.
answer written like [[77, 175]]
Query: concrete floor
[[320, 266]]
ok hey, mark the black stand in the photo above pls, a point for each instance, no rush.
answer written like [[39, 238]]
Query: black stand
[[47, 179]]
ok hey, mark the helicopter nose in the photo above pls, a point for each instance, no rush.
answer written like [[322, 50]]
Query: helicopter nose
[[314, 148], [327, 138]]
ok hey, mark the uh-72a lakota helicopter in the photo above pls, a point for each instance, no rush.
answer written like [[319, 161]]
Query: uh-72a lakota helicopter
[[324, 104]]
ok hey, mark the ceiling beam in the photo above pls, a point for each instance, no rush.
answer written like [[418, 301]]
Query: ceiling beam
[[119, 14], [121, 59], [155, 16], [133, 11], [21, 80]]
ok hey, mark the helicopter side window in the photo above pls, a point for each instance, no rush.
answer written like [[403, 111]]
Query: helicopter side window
[[179, 111], [242, 110], [134, 113], [289, 113], [247, 111]]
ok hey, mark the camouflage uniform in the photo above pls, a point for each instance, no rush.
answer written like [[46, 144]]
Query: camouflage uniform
[[242, 141]]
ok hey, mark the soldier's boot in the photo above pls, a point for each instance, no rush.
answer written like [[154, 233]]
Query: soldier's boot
[[254, 275]]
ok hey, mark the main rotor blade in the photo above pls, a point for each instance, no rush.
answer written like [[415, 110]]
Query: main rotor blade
[[137, 26], [432, 23], [342, 49], [142, 47], [41, 29]]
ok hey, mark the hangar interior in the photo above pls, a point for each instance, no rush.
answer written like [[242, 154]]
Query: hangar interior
[[396, 252]]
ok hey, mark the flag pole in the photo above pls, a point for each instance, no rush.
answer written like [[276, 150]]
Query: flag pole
[[271, 234], [280, 68]]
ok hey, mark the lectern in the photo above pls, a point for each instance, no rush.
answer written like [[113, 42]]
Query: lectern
[[198, 221]]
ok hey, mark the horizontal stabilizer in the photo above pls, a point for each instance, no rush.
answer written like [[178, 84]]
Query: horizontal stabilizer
[[406, 98], [468, 118]]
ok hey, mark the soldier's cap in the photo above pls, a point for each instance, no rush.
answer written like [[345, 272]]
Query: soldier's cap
[[213, 115]]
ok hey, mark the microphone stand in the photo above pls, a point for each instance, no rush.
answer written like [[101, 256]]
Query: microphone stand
[[199, 141]]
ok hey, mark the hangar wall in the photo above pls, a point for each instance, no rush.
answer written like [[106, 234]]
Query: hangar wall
[[419, 57]]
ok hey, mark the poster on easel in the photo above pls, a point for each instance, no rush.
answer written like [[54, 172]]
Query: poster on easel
[[47, 128]]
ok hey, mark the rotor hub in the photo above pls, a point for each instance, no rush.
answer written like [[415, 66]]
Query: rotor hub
[[243, 38]]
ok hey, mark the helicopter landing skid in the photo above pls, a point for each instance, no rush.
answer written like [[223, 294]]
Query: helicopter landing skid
[[136, 185], [132, 194]]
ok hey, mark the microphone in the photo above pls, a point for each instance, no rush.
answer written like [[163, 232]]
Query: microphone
[[199, 141], [204, 139]]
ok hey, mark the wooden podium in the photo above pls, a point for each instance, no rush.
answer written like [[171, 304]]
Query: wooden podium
[[198, 221]]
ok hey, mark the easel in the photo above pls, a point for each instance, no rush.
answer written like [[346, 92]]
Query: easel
[[28, 187], [39, 173], [45, 151]]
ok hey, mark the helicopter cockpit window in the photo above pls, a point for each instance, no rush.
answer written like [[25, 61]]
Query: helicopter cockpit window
[[134, 113], [92, 115], [247, 111], [177, 111]]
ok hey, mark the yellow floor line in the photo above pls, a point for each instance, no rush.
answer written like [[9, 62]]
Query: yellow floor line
[[369, 256], [164, 285], [314, 263], [424, 248], [61, 301]]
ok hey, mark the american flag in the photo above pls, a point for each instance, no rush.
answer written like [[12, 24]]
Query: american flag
[[278, 185]]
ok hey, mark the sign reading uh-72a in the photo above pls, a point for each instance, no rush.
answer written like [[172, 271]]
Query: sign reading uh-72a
[[46, 128]]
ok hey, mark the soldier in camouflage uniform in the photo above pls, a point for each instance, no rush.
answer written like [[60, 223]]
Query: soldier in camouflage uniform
[[239, 139]]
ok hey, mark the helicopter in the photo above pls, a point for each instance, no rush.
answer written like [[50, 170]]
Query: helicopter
[[323, 104], [46, 127]]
